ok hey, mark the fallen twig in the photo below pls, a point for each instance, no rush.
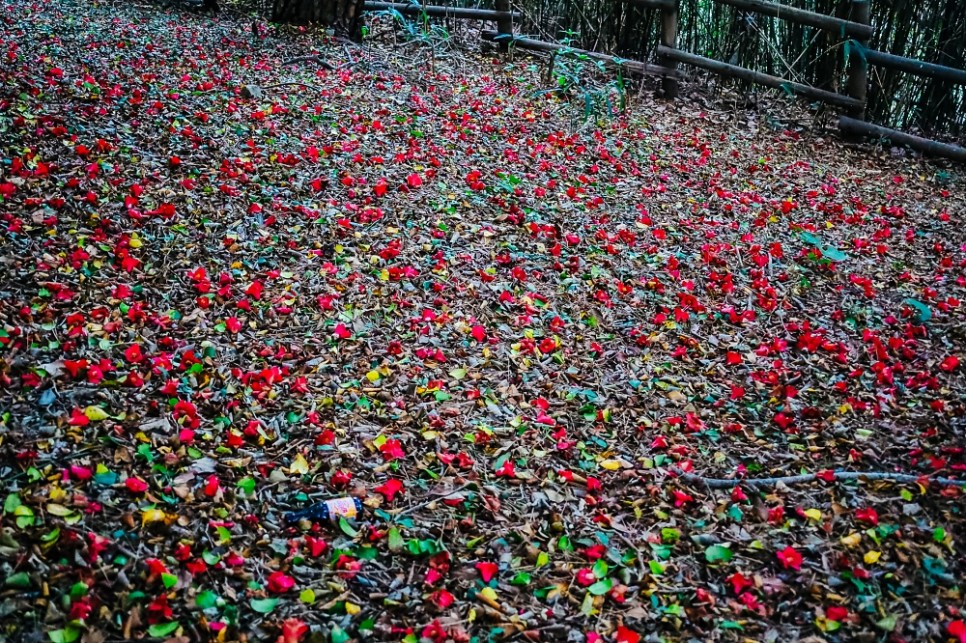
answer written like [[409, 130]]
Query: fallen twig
[[294, 82], [317, 58], [729, 483]]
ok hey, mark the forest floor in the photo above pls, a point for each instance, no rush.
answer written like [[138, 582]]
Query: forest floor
[[420, 280]]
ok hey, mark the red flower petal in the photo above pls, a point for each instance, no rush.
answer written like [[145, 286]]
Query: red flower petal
[[958, 629], [77, 418], [625, 635], [487, 570], [442, 599], [790, 558], [136, 485], [279, 583], [390, 489], [292, 631]]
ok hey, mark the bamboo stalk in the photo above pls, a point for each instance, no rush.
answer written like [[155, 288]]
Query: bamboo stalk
[[669, 38], [504, 26], [758, 77], [858, 85], [924, 145], [653, 4]]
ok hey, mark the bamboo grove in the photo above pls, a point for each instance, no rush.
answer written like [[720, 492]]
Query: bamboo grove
[[933, 31]]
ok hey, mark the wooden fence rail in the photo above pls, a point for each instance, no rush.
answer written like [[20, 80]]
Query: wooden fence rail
[[614, 61], [913, 66], [758, 77], [924, 145], [435, 11], [839, 26]]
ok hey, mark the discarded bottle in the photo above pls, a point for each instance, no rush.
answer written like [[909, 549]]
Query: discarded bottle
[[331, 509]]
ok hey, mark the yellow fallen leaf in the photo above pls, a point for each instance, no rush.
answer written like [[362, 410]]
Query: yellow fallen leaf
[[299, 465], [872, 557], [488, 596], [373, 376], [611, 464], [95, 413], [852, 540], [814, 514], [58, 510], [352, 609], [134, 241], [151, 516]]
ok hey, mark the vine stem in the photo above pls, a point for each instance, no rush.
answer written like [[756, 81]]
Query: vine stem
[[730, 483]]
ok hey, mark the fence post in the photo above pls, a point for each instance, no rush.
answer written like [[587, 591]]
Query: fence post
[[669, 38], [858, 64], [504, 25]]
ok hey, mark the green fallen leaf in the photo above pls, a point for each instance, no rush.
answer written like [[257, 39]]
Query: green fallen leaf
[[718, 554], [20, 580], [523, 578], [396, 542], [347, 528], [888, 623], [206, 599], [161, 630], [24, 516], [925, 314], [11, 503], [338, 635], [67, 635], [601, 587], [247, 485], [264, 605]]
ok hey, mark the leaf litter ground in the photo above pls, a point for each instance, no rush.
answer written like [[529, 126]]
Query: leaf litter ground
[[414, 281]]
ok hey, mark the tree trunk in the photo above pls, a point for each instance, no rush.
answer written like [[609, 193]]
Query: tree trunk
[[343, 15]]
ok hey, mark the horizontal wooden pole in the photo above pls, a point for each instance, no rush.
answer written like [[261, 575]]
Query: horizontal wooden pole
[[801, 16], [551, 47], [758, 77], [459, 13], [924, 145], [653, 4], [913, 66]]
